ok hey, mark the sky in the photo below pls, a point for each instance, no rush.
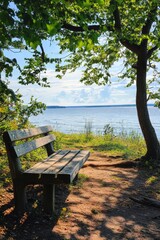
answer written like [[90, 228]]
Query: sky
[[69, 91]]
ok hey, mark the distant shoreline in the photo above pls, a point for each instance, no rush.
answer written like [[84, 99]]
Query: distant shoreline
[[97, 106]]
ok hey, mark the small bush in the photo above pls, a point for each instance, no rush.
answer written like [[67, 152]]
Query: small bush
[[108, 130]]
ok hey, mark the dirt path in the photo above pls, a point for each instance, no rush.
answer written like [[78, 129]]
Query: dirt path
[[97, 210]]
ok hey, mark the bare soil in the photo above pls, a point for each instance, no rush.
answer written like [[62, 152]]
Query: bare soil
[[98, 209]]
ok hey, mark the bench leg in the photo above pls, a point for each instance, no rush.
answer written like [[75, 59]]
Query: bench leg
[[49, 198], [20, 197], [75, 179]]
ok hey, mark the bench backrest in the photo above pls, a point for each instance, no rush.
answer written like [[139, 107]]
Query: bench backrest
[[14, 152]]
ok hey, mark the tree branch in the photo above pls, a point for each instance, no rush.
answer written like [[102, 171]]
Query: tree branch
[[117, 27], [43, 53], [132, 47], [117, 18], [149, 54], [79, 28], [150, 19], [3, 119], [147, 27], [147, 201]]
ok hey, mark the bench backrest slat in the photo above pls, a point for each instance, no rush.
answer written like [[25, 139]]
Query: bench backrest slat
[[33, 139], [27, 147], [16, 135]]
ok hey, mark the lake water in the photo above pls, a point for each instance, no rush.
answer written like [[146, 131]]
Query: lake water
[[70, 120]]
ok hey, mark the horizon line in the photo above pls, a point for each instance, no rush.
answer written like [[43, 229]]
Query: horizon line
[[90, 106]]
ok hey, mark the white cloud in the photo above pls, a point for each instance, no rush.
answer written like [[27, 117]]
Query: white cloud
[[70, 91]]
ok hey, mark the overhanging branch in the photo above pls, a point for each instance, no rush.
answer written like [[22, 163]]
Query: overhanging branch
[[149, 54], [117, 19], [132, 47], [43, 53], [149, 21], [79, 28], [118, 26]]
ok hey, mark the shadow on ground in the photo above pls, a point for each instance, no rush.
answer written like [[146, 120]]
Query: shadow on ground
[[34, 223], [101, 209]]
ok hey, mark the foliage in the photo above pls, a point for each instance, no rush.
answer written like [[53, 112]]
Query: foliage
[[96, 35], [17, 37], [24, 25], [130, 146], [99, 33], [152, 179], [108, 130], [13, 113]]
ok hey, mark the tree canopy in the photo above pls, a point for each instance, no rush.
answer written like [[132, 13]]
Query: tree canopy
[[96, 34]]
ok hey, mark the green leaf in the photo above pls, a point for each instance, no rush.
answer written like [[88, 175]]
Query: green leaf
[[80, 44], [53, 28], [34, 44]]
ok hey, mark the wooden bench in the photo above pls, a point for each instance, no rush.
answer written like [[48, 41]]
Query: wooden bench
[[59, 167]]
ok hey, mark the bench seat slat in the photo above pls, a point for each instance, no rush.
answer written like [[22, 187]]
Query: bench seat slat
[[72, 169], [27, 147], [64, 173], [40, 167], [54, 164], [54, 169], [16, 135]]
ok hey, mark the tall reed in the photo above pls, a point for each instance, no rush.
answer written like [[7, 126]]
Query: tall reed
[[88, 130]]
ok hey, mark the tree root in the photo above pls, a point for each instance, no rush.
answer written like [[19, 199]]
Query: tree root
[[148, 162], [126, 164], [146, 201]]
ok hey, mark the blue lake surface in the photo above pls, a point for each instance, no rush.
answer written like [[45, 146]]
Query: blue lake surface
[[73, 119]]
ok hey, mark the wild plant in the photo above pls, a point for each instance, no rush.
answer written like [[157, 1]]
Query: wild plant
[[88, 130]]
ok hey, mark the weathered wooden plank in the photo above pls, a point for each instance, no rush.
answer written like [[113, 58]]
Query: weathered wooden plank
[[59, 167], [72, 169], [54, 169], [40, 167], [16, 135], [29, 146]]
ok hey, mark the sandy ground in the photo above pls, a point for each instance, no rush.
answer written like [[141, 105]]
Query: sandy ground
[[99, 209]]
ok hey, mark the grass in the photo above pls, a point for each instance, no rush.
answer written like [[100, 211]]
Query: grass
[[128, 146], [79, 183], [65, 213], [152, 179]]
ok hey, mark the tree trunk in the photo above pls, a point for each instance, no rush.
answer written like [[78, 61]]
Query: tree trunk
[[152, 143]]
